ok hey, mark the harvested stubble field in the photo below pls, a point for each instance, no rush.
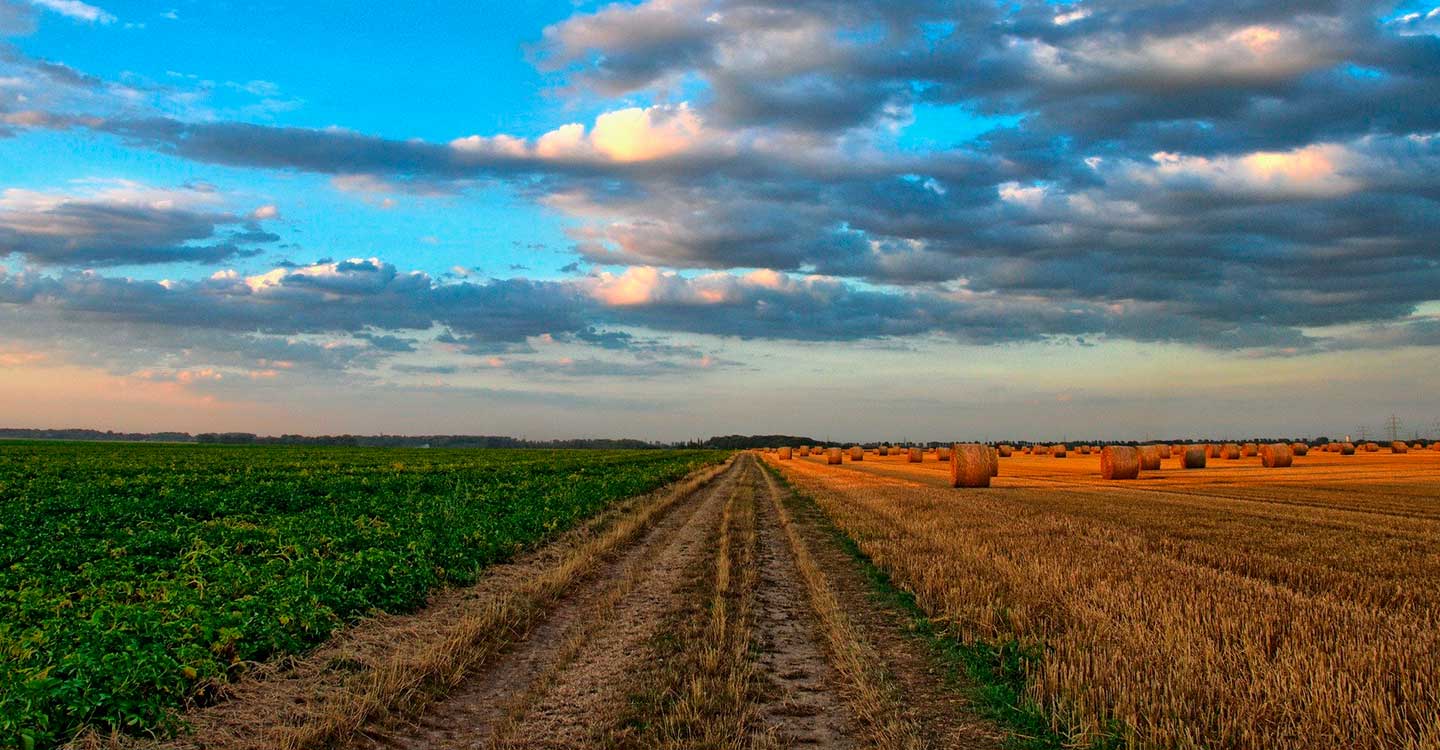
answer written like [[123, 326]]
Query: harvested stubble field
[[1230, 607]]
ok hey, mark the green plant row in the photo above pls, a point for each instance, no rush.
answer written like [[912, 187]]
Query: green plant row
[[134, 576]]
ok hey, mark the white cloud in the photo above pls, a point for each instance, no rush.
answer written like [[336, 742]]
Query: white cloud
[[1317, 170], [637, 134], [76, 10], [633, 134]]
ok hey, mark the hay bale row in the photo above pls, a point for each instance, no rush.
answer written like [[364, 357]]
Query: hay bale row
[[970, 465], [1120, 462], [1149, 456]]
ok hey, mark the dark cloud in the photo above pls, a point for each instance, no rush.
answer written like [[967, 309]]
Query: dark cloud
[[387, 343], [1100, 69], [426, 369], [62, 230]]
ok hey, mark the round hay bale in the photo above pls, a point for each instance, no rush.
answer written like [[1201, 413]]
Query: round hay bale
[[1418, 446], [784, 454], [969, 465], [942, 454], [1212, 451], [1347, 449], [1277, 456], [1119, 462], [1399, 447], [1164, 451], [1083, 450], [883, 450], [994, 461], [1299, 449], [857, 453], [1058, 451], [1230, 452], [1435, 446], [1007, 450], [833, 456], [917, 456], [1040, 450], [1194, 457], [1372, 447], [804, 450], [1250, 449], [1149, 457]]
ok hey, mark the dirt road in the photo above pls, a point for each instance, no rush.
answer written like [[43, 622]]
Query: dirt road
[[719, 614], [704, 630]]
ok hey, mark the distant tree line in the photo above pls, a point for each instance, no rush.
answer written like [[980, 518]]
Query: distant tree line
[[369, 441], [422, 441], [78, 434], [722, 442]]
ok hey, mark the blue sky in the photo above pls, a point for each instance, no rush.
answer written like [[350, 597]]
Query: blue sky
[[324, 65], [957, 217]]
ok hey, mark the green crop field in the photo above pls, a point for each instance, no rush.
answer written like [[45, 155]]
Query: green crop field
[[132, 575]]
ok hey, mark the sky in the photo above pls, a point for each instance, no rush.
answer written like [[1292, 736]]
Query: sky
[[669, 219]]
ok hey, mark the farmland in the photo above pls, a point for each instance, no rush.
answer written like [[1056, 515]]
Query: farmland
[[1235, 606], [137, 578], [232, 597]]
